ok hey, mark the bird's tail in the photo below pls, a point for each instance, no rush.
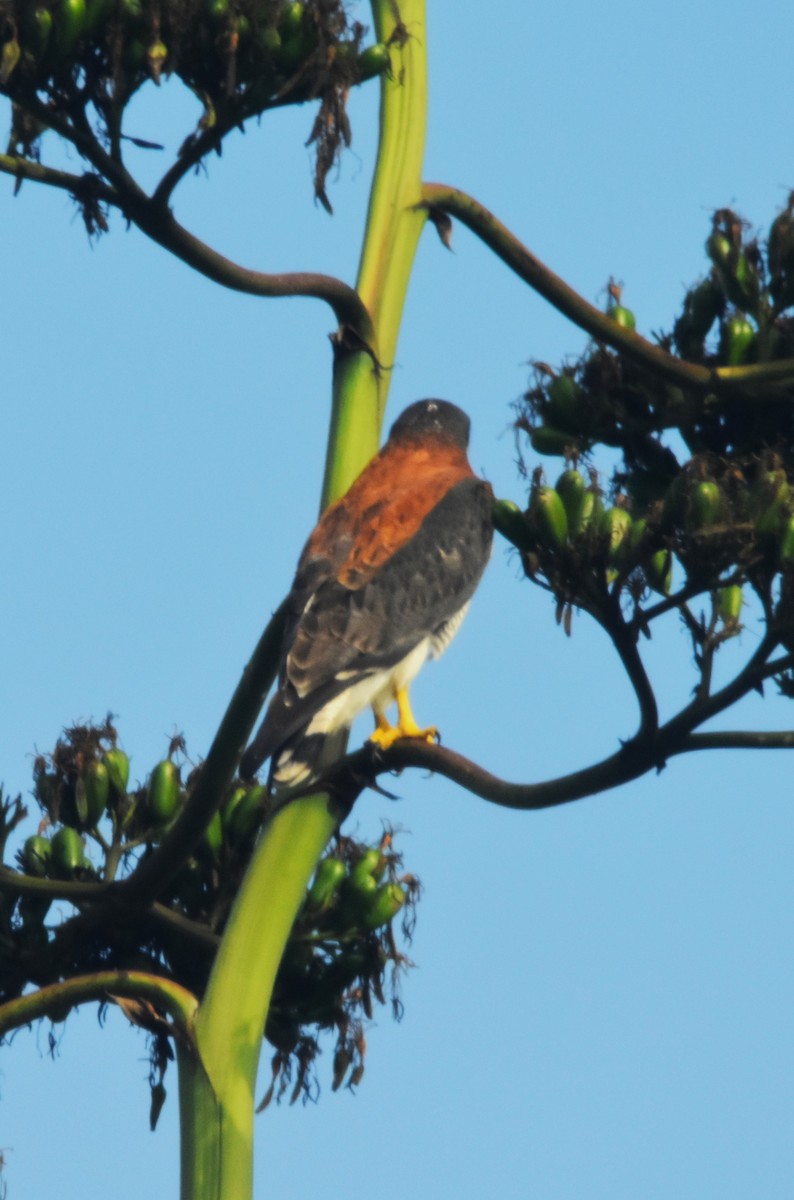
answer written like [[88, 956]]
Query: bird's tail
[[298, 761], [306, 757]]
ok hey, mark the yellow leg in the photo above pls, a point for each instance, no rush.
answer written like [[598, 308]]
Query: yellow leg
[[406, 721], [385, 735]]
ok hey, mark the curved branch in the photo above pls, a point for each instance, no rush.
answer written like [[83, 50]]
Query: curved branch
[[599, 325], [189, 156], [159, 223], [358, 769], [180, 1004], [156, 220], [624, 639], [635, 757], [638, 677]]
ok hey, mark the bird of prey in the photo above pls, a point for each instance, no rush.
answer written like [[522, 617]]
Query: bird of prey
[[382, 584]]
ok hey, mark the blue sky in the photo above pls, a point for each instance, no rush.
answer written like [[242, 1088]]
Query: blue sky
[[603, 994]]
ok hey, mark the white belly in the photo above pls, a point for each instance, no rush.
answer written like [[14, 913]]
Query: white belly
[[377, 690]]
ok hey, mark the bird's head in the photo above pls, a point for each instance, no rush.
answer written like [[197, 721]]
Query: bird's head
[[432, 418]]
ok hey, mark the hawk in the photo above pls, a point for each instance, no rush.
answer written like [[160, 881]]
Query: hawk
[[383, 583]]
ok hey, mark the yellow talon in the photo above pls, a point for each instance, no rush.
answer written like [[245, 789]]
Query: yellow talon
[[385, 735]]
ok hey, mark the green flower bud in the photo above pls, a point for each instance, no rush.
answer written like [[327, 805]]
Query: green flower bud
[[327, 880], [623, 316], [548, 516], [36, 856], [162, 798], [729, 603], [511, 522], [383, 906], [572, 490], [615, 525]]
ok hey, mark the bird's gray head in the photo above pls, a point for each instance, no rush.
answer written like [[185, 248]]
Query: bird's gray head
[[432, 418]]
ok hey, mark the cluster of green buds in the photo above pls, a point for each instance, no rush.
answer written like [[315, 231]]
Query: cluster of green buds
[[83, 790], [745, 295], [341, 956], [733, 297], [260, 52], [82, 784], [343, 943], [358, 892], [723, 524], [721, 519], [604, 399], [572, 537], [735, 317], [740, 514]]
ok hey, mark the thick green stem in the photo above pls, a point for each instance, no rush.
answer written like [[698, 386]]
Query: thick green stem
[[217, 1095], [200, 1126], [394, 222], [396, 217], [355, 421]]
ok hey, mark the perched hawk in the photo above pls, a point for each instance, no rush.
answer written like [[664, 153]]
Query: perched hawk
[[383, 583]]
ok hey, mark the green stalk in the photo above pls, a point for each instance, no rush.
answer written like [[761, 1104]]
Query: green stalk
[[395, 219], [199, 1130], [217, 1093], [354, 435], [396, 215]]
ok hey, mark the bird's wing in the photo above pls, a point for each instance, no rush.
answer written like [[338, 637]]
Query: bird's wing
[[380, 512]]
